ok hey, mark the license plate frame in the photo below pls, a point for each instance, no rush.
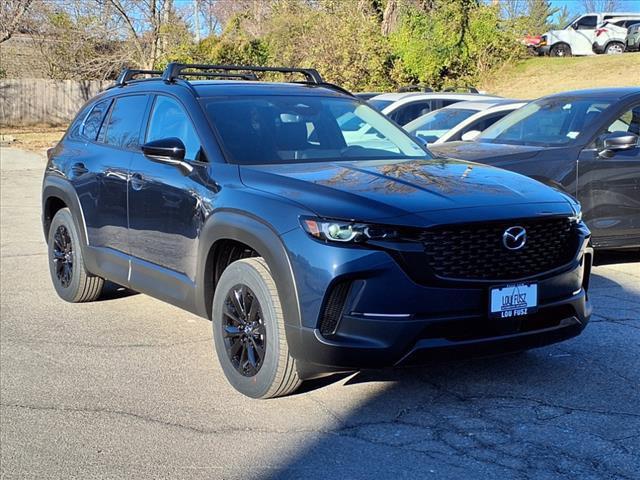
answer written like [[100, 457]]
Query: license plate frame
[[513, 300]]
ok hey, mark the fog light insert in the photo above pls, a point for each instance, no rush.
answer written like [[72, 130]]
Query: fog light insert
[[333, 308]]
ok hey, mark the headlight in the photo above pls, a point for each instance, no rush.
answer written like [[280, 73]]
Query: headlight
[[341, 231]]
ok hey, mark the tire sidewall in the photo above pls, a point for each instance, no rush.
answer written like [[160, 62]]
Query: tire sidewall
[[69, 293], [242, 273], [564, 48]]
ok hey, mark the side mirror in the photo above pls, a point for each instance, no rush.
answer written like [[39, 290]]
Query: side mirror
[[170, 151], [617, 142], [470, 135], [422, 140]]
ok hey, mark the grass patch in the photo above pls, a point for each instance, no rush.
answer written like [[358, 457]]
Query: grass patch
[[537, 76], [35, 139]]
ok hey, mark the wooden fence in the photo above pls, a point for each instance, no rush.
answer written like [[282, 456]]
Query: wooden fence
[[33, 101]]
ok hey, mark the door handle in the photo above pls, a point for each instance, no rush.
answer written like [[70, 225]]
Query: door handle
[[79, 169], [137, 181]]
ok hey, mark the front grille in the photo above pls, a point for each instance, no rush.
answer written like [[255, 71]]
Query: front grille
[[332, 310], [476, 252]]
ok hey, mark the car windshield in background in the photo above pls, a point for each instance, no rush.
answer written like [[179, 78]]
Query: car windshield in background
[[432, 126], [548, 122], [379, 104], [286, 129]]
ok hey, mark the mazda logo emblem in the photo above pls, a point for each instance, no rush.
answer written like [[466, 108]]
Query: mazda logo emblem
[[514, 238]]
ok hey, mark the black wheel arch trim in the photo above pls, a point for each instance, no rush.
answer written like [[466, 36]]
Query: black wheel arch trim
[[56, 187], [260, 236]]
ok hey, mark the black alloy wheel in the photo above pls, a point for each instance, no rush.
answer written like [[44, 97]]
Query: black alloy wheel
[[244, 330], [63, 255]]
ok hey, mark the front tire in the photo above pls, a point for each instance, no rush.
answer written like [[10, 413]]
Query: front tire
[[69, 275], [560, 50], [248, 331]]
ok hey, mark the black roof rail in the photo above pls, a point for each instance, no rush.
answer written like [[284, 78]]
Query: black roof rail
[[239, 76], [129, 74], [175, 70], [415, 88], [337, 88], [465, 89]]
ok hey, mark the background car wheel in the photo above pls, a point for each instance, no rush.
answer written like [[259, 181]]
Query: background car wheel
[[70, 278], [560, 50], [614, 48], [248, 331]]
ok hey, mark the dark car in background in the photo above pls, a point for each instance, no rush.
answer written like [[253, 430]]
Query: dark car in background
[[310, 247], [584, 143], [633, 38]]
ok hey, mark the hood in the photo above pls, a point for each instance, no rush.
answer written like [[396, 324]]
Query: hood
[[387, 190], [492, 153]]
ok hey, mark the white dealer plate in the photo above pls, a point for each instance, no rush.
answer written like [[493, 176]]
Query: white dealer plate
[[514, 300]]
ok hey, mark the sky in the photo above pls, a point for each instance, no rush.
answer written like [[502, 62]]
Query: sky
[[576, 6]]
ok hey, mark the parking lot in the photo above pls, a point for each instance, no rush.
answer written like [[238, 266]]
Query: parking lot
[[129, 386]]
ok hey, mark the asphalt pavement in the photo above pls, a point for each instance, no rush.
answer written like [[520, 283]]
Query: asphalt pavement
[[129, 387]]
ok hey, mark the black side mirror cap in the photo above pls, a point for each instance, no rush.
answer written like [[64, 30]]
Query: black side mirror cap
[[616, 142], [171, 147], [170, 151]]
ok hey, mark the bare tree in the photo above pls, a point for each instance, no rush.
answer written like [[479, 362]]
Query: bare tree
[[145, 23], [76, 39], [11, 14], [600, 5]]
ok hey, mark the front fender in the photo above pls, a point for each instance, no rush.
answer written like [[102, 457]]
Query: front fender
[[257, 234]]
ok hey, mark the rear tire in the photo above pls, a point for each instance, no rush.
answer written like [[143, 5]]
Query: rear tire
[[560, 50], [69, 275], [249, 337], [614, 48]]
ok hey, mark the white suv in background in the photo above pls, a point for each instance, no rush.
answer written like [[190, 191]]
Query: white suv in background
[[578, 36], [611, 36]]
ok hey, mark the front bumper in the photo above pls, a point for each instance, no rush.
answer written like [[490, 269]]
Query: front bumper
[[388, 319]]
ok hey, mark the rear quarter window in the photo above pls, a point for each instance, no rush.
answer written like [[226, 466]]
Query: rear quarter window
[[88, 123]]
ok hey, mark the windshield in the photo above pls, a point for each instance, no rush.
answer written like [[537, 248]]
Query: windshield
[[379, 104], [285, 129], [432, 126], [548, 122]]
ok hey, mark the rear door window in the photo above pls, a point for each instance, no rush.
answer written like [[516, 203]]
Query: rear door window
[[122, 129]]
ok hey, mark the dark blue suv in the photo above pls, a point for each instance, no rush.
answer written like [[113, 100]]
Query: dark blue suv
[[313, 232]]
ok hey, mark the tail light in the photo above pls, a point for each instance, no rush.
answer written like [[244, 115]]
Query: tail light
[[599, 31]]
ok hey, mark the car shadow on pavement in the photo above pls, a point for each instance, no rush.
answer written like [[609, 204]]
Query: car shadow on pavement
[[569, 410], [113, 291], [611, 257]]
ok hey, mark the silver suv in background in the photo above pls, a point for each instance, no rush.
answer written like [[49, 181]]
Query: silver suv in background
[[403, 107], [578, 36]]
